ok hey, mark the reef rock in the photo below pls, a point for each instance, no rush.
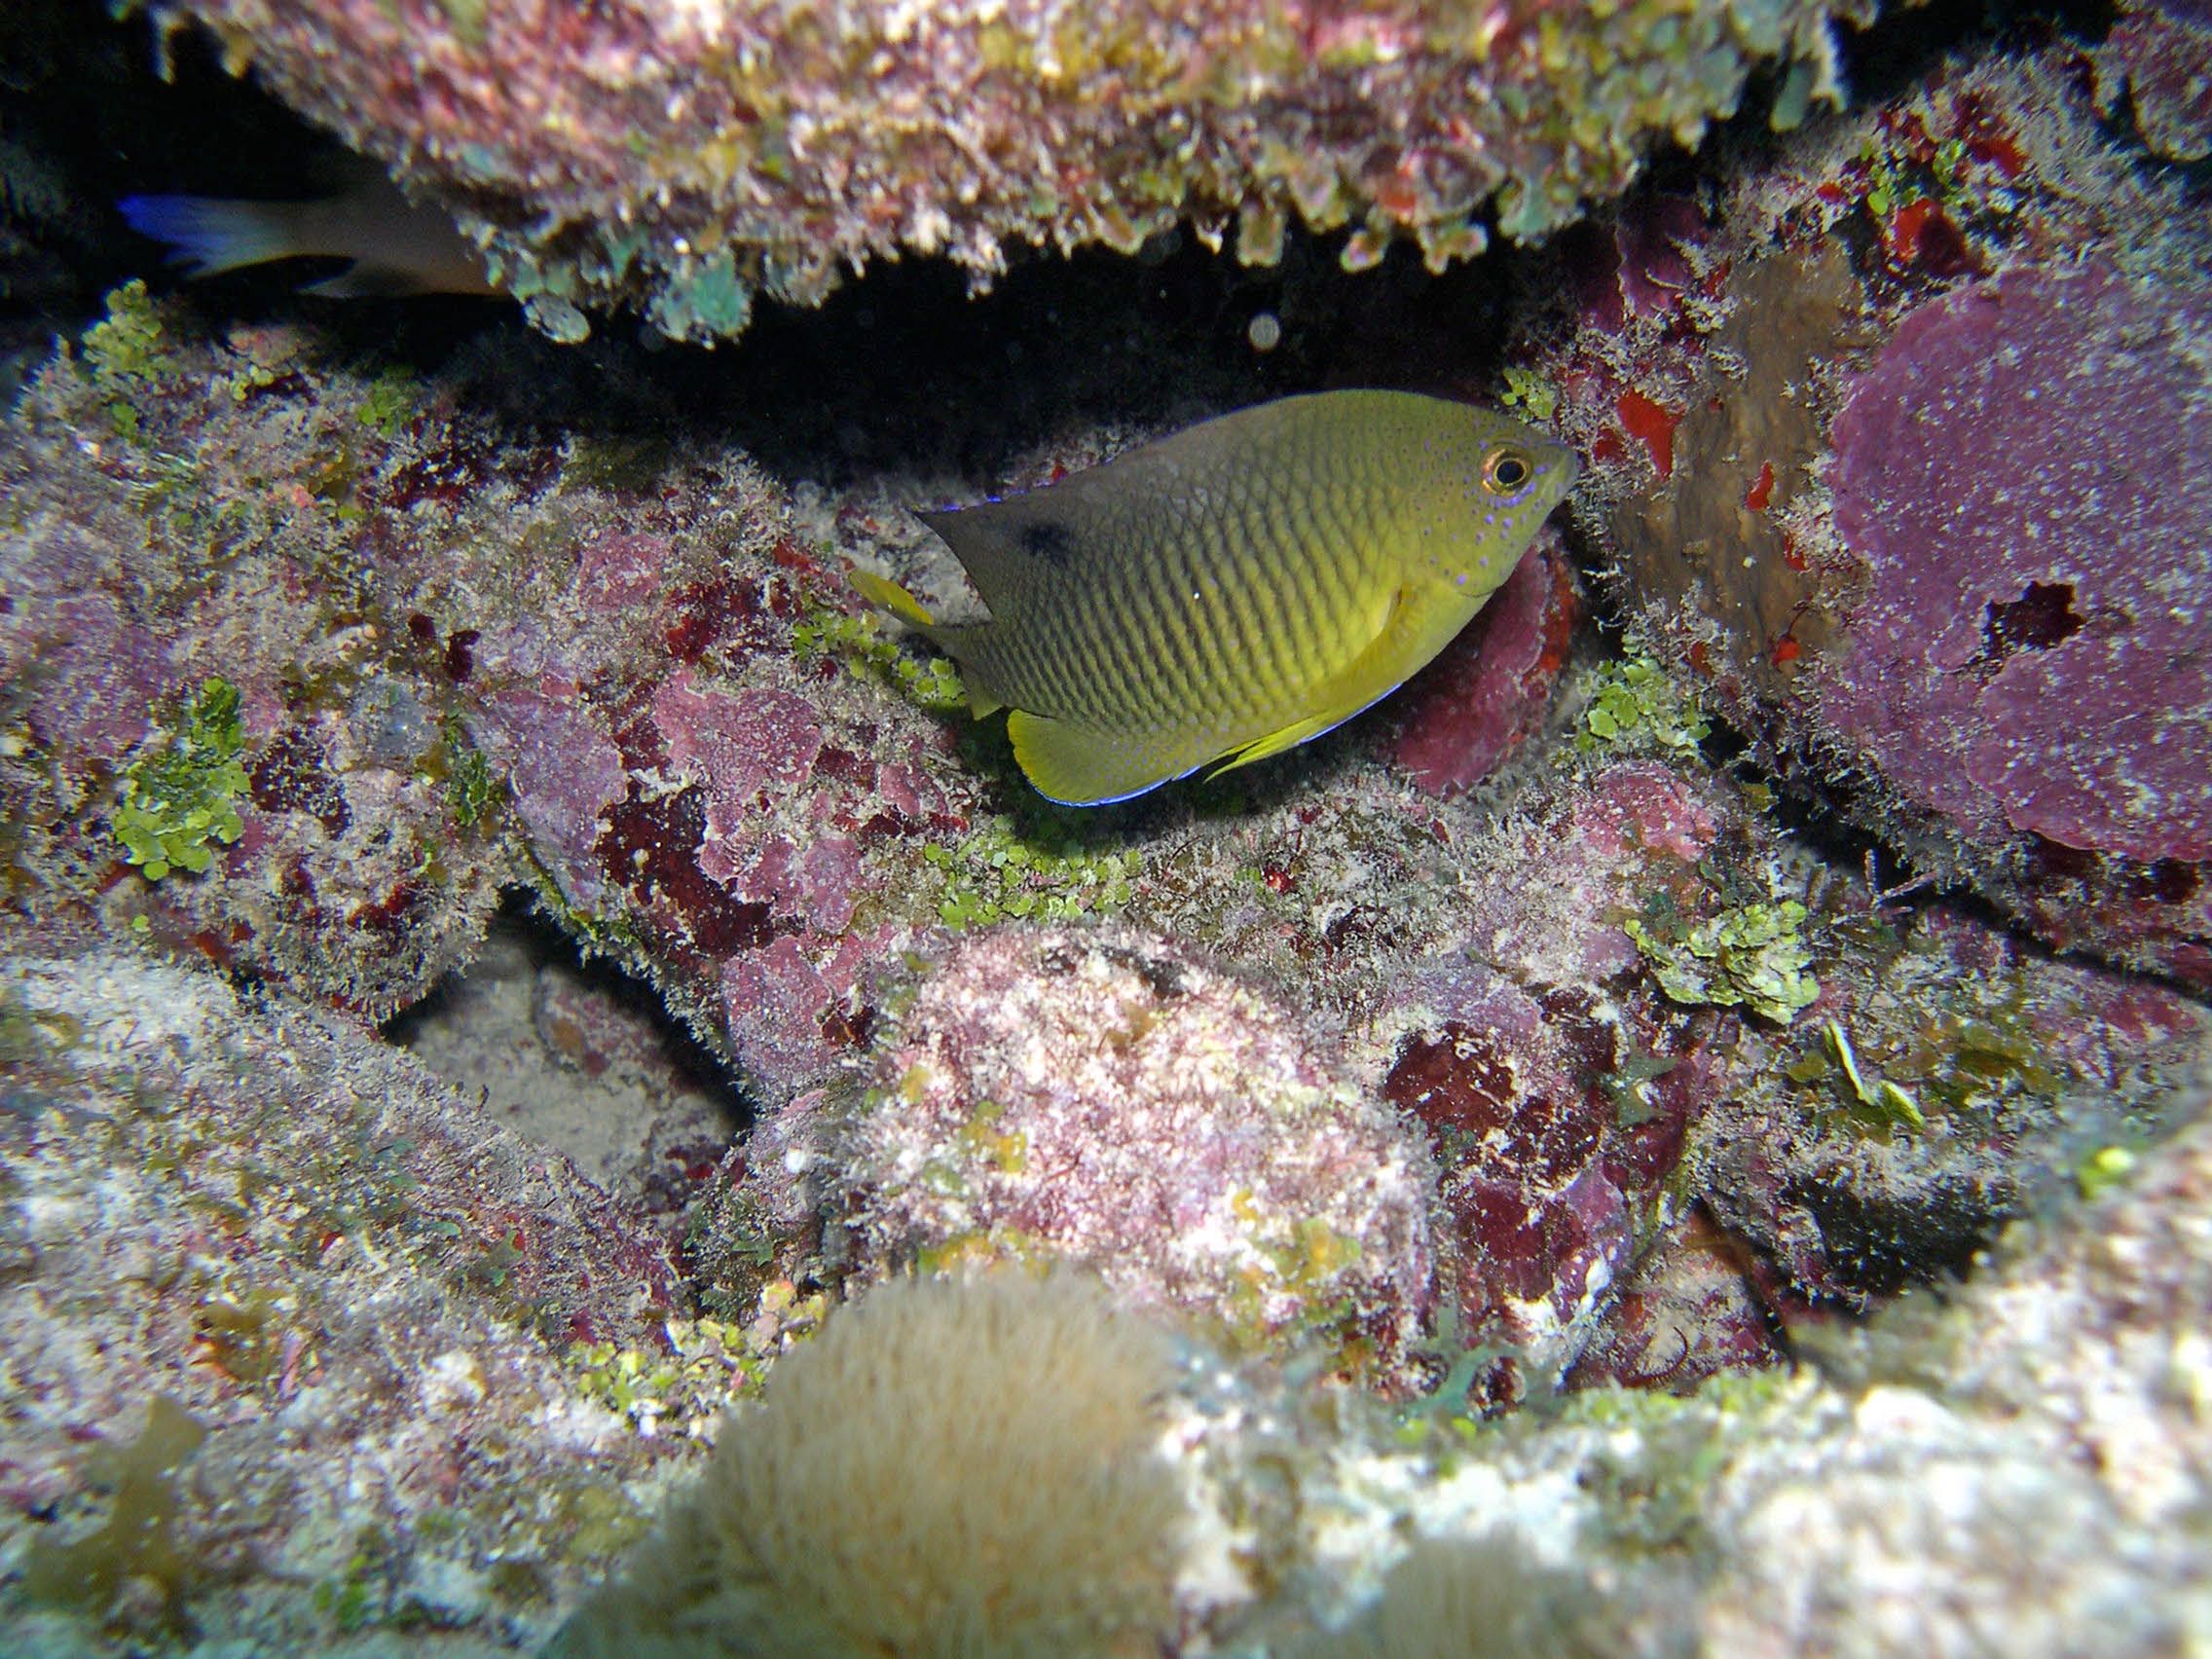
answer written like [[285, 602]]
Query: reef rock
[[1103, 1099], [691, 155], [1898, 452]]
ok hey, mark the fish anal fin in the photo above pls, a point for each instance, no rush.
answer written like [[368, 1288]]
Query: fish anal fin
[[1080, 765]]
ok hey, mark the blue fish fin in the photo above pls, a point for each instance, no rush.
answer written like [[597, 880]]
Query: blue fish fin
[[1082, 765], [207, 236]]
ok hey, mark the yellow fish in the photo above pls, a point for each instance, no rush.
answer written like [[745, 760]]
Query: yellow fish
[[1238, 588]]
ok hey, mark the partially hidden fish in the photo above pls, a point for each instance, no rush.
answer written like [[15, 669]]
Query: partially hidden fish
[[397, 246], [1238, 588]]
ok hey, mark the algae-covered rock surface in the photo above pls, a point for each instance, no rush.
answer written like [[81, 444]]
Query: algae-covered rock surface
[[695, 155], [538, 1031]]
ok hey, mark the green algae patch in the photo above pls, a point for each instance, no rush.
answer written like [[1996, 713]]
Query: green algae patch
[[1753, 957], [932, 684], [1000, 871], [176, 801], [1527, 390], [393, 399], [1635, 705], [138, 1540], [472, 788], [123, 352]]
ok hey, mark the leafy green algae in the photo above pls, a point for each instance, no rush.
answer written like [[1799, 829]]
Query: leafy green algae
[[1753, 956], [180, 799]]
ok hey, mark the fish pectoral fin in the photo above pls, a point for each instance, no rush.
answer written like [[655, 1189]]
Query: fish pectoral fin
[[1082, 765], [1289, 737], [1377, 671]]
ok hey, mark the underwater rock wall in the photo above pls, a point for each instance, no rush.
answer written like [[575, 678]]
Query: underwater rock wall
[[1533, 1136], [688, 155], [1898, 450]]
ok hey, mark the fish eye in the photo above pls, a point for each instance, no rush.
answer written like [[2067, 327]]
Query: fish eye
[[1505, 470]]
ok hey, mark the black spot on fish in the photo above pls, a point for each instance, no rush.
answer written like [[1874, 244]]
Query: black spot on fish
[[1048, 540]]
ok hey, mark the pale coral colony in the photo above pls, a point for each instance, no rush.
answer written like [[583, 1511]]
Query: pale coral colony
[[558, 1093]]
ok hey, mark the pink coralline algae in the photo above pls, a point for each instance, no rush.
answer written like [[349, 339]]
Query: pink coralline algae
[[1102, 1099], [688, 155], [1460, 717], [2020, 468], [1930, 530], [564, 774], [1555, 886]]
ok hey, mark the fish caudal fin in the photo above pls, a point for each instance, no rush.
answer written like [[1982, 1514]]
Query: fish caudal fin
[[207, 236], [1080, 765], [887, 595]]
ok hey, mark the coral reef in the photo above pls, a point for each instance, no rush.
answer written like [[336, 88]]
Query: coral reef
[[1894, 447], [280, 1307], [691, 156], [1535, 1135], [1101, 1099]]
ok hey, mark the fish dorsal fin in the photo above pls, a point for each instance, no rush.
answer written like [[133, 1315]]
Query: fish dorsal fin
[[1023, 542], [1048, 535]]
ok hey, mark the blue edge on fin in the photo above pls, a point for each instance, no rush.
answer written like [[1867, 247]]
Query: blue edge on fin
[[1116, 800]]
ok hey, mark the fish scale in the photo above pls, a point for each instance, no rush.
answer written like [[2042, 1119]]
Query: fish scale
[[1237, 588]]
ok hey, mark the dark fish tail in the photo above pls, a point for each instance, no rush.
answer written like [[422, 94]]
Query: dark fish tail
[[208, 235]]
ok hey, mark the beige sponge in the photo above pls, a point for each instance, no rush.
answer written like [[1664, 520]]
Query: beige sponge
[[962, 1470]]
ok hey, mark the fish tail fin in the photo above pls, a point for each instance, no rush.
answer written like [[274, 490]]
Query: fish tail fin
[[887, 595], [207, 236]]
